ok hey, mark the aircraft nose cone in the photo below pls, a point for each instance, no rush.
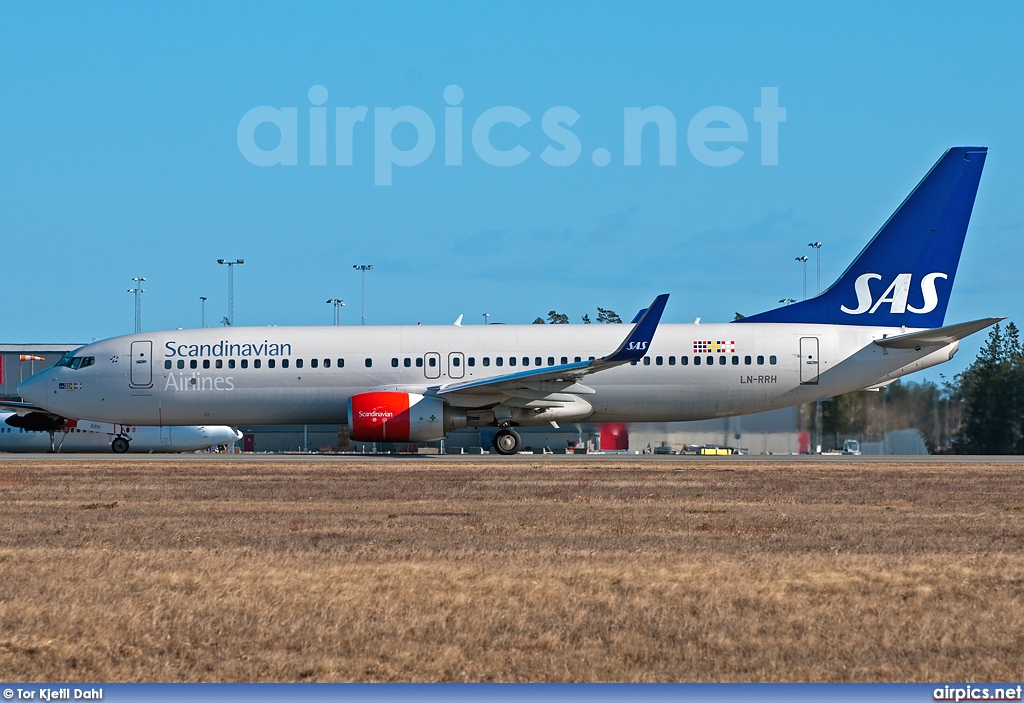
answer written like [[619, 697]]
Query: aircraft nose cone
[[33, 389]]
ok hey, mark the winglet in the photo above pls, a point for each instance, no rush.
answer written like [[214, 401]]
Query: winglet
[[635, 345]]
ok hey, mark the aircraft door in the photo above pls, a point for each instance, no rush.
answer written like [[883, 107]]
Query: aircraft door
[[456, 365], [165, 436], [809, 361], [432, 365], [142, 364]]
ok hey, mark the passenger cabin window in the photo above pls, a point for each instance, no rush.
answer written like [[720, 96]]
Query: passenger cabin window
[[231, 363], [511, 361], [487, 361], [551, 361], [747, 361], [341, 363], [419, 363], [456, 362], [684, 360], [406, 362], [313, 363], [368, 362], [577, 359], [772, 359], [245, 363], [271, 363], [721, 360], [284, 363], [735, 361], [167, 364], [181, 363], [471, 361], [257, 363], [193, 364], [696, 361], [219, 363], [394, 362], [671, 361], [499, 361], [206, 363], [327, 363], [760, 361], [659, 360], [565, 360], [432, 362], [298, 363], [647, 361]]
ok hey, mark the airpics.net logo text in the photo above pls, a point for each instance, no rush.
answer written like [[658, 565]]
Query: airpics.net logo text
[[712, 134]]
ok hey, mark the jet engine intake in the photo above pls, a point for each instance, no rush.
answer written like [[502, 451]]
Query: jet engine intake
[[392, 416]]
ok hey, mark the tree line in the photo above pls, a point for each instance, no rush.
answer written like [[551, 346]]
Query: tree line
[[604, 317]]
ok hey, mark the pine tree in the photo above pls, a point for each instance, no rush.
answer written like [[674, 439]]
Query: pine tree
[[992, 389]]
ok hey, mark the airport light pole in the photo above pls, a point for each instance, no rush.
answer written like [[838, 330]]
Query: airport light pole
[[803, 260], [487, 316], [817, 266], [202, 300], [363, 268], [138, 291], [787, 301], [231, 287], [338, 305]]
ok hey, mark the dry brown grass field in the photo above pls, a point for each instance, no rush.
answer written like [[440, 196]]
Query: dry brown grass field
[[571, 570]]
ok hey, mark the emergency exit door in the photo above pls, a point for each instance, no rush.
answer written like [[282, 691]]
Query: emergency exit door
[[809, 361], [141, 373]]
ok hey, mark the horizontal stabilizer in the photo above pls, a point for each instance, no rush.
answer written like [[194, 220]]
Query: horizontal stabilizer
[[938, 337]]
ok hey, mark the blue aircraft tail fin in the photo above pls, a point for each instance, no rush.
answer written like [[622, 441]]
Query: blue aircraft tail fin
[[904, 275]]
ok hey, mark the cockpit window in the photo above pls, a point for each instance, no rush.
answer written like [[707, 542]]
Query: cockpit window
[[67, 358], [79, 362]]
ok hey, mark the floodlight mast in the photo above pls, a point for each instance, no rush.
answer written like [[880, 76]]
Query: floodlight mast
[[231, 287]]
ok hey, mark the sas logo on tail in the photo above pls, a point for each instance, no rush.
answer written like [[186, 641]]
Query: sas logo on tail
[[895, 295], [636, 346]]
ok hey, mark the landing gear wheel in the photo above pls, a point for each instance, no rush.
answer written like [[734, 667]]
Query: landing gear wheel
[[507, 442], [119, 445]]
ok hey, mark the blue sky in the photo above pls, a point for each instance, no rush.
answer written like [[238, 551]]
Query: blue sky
[[121, 158]]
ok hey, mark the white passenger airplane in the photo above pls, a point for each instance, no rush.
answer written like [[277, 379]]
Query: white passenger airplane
[[85, 436], [882, 319]]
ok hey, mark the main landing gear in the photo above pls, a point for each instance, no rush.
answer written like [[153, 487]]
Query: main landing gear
[[120, 444], [507, 441]]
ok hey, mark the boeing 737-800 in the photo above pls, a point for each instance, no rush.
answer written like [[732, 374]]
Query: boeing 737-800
[[880, 320], [85, 436]]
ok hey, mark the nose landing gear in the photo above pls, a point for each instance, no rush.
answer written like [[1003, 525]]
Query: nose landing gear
[[120, 444]]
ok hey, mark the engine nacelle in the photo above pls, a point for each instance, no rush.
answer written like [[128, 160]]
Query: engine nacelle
[[392, 416]]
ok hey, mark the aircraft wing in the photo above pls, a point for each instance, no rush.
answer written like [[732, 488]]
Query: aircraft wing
[[563, 379], [31, 417], [939, 337]]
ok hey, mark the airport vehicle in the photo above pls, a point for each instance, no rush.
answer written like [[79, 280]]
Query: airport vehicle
[[85, 436], [880, 320]]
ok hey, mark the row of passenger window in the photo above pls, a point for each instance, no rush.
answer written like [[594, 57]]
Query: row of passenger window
[[709, 360], [456, 361], [256, 363]]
